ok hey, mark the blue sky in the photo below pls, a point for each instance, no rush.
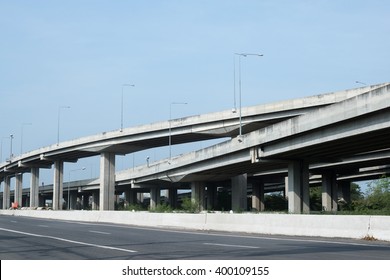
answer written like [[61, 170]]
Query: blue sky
[[80, 53]]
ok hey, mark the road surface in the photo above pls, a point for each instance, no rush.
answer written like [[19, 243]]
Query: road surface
[[24, 238]]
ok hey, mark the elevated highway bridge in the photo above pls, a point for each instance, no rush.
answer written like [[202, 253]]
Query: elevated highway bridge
[[326, 134]]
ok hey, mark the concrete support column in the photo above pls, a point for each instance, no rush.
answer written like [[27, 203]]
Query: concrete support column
[[298, 187], [107, 181], [129, 198], [34, 187], [85, 201], [329, 191], [18, 189], [6, 193], [258, 196], [154, 197], [95, 200], [1, 200], [72, 200], [305, 188], [285, 191], [26, 200], [140, 197], [211, 196], [239, 193], [42, 201], [133, 196], [198, 194], [172, 195], [58, 185]]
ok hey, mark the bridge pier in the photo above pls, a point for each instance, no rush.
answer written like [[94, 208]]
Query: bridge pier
[[172, 197], [129, 197], [211, 197], [239, 192], [72, 200], [85, 201], [41, 201], [107, 181], [329, 191], [95, 200], [34, 187], [58, 185], [6, 192], [258, 195], [298, 187], [18, 195], [155, 195], [133, 196], [198, 194]]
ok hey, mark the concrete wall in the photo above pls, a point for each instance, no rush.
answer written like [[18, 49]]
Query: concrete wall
[[285, 224]]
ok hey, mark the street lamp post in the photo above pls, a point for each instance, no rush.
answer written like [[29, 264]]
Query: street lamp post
[[234, 110], [21, 137], [58, 122], [170, 128], [239, 84], [124, 85], [83, 168], [10, 153]]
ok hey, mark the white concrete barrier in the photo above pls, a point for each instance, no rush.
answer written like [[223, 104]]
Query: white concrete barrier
[[285, 224]]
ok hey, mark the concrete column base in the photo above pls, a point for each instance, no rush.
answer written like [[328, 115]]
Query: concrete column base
[[34, 187], [198, 194], [73, 200], [18, 199], [172, 197], [95, 200], [211, 197], [58, 185], [329, 192], [6, 193], [154, 197], [258, 196], [298, 187]]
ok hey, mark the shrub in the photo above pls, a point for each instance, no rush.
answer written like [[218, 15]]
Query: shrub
[[189, 205]]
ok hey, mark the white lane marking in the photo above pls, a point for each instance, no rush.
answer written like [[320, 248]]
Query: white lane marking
[[43, 226], [14, 221], [231, 245], [100, 232], [70, 241]]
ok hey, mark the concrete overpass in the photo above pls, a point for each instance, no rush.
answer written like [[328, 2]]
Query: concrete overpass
[[358, 168], [268, 132], [336, 140]]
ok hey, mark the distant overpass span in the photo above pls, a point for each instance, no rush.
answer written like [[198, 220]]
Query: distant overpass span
[[294, 134]]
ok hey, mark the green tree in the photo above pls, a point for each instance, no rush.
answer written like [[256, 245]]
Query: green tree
[[378, 195], [189, 205], [356, 192], [315, 199]]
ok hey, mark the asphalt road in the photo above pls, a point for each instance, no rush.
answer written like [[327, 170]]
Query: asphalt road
[[23, 238]]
